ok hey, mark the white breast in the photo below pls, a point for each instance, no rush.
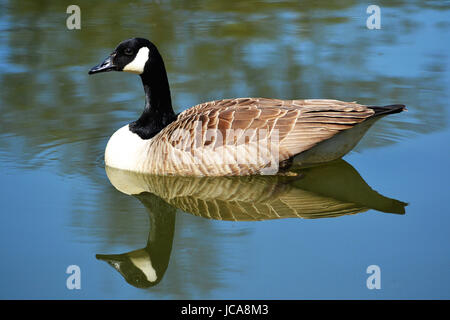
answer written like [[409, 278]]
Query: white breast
[[126, 150]]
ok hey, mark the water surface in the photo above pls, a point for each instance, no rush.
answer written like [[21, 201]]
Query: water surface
[[59, 208]]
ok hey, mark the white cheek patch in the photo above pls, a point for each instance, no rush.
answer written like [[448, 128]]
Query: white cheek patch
[[138, 63], [141, 260]]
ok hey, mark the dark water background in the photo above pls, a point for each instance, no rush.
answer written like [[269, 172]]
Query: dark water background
[[58, 207]]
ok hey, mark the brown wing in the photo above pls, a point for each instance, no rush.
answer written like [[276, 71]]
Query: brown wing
[[320, 120], [300, 123], [293, 126]]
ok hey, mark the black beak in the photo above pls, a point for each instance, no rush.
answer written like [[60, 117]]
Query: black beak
[[114, 260], [105, 66]]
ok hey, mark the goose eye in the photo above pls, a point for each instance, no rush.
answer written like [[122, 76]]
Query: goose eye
[[128, 51]]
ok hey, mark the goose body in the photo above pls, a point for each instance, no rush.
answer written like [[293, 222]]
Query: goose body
[[241, 136]]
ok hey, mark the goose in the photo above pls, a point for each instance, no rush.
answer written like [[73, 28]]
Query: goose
[[228, 137]]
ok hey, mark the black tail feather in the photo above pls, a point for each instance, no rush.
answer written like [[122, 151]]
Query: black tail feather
[[393, 108]]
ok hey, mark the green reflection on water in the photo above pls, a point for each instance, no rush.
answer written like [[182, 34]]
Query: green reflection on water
[[212, 50], [54, 117]]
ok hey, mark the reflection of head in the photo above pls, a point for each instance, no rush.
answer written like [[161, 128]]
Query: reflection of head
[[146, 267], [135, 266]]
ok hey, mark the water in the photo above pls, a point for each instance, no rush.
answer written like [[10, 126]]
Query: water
[[59, 208]]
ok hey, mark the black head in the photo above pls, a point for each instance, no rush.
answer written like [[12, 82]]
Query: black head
[[141, 57], [132, 273], [132, 55]]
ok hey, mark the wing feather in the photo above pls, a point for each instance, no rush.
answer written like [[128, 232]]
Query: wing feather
[[297, 126]]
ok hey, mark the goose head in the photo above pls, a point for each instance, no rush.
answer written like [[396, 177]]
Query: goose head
[[136, 55], [135, 266], [141, 57]]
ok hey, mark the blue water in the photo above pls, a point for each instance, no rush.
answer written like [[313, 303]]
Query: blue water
[[58, 207]]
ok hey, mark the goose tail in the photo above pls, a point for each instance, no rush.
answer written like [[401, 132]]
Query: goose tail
[[390, 109]]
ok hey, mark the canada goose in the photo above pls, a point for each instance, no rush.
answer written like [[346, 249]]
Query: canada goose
[[331, 190], [241, 136]]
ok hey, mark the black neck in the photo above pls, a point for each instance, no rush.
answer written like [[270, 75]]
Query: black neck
[[158, 112], [162, 229]]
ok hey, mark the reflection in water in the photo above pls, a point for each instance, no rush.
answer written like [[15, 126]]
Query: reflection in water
[[145, 267], [331, 190], [56, 121]]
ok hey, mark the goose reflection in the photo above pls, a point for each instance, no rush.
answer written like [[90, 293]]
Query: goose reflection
[[331, 190], [145, 267]]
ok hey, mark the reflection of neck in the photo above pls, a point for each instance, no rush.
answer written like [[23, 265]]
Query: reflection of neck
[[158, 112], [162, 228]]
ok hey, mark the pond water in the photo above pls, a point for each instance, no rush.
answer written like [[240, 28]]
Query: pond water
[[385, 204]]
